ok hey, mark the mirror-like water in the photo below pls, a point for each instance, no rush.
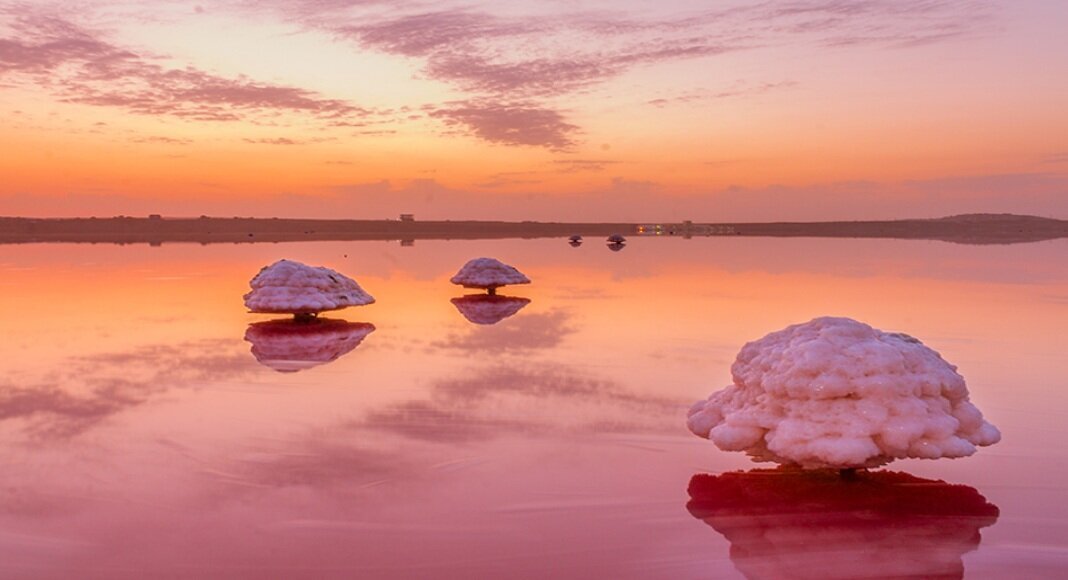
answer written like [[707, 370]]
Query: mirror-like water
[[150, 427]]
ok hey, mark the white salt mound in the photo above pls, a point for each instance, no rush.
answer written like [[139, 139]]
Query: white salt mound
[[488, 273], [295, 288], [838, 393]]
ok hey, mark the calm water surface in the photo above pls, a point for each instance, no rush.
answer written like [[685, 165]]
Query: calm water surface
[[152, 428]]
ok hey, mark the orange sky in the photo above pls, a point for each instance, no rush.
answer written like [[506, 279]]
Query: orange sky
[[596, 110]]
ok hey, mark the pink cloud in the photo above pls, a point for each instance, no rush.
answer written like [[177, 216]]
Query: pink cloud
[[504, 58], [79, 67], [510, 123], [740, 89], [428, 33]]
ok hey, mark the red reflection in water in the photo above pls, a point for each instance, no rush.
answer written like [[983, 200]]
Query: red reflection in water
[[788, 523], [288, 346]]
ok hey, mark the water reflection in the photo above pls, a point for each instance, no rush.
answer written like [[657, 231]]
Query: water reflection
[[81, 392], [787, 523], [547, 398], [288, 346], [488, 308], [537, 331]]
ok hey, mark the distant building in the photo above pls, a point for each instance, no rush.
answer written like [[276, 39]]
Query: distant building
[[154, 216], [407, 217]]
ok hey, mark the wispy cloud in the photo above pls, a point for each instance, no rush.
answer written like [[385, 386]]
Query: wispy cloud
[[510, 123], [162, 140], [538, 58], [79, 66], [580, 165], [740, 89], [285, 141]]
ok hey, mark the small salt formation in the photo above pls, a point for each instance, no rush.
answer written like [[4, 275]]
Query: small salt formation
[[294, 288], [837, 393], [488, 274]]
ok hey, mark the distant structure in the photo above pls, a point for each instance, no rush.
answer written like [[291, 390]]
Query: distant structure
[[407, 217], [154, 216], [686, 229]]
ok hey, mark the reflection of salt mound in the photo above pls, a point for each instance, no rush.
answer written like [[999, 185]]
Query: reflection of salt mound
[[289, 346], [835, 392], [788, 523], [294, 288], [487, 308]]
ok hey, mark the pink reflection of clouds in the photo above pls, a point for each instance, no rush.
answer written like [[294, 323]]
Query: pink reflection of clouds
[[80, 67], [546, 399], [87, 391]]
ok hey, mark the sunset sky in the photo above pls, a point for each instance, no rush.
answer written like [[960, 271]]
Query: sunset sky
[[593, 110]]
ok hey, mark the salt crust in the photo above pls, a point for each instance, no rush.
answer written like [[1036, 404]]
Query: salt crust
[[488, 273], [291, 287], [834, 392]]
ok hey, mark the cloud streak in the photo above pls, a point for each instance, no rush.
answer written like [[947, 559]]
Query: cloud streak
[[79, 66], [510, 123], [535, 59]]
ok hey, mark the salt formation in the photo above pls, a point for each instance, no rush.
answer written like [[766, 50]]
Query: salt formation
[[486, 309], [789, 523], [294, 288], [488, 274], [838, 393], [289, 346]]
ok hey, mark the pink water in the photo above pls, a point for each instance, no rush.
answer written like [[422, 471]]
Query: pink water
[[140, 436]]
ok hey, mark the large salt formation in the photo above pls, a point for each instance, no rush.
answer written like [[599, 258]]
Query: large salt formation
[[488, 274], [293, 288], [838, 393]]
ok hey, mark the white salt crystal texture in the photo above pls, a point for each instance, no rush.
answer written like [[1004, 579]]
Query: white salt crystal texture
[[294, 288], [488, 273], [837, 393]]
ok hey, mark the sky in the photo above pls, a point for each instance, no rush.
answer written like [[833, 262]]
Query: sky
[[599, 110]]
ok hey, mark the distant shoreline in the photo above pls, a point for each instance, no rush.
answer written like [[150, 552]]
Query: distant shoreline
[[156, 230]]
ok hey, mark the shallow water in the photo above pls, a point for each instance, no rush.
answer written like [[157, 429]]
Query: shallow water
[[147, 431]]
